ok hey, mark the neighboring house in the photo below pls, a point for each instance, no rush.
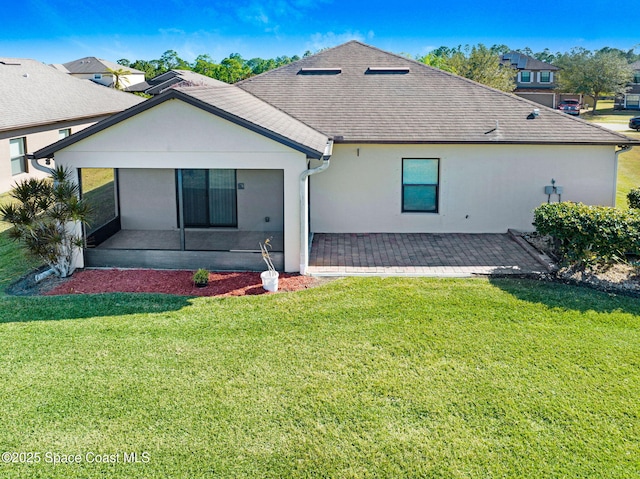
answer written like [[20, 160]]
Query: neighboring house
[[350, 140], [101, 71], [631, 99], [536, 80], [169, 79], [40, 106]]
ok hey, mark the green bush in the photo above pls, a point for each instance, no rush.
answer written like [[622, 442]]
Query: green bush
[[634, 198], [590, 234]]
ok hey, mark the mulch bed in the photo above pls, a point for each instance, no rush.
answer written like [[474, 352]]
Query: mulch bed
[[169, 282]]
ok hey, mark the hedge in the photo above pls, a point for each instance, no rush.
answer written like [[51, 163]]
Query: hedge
[[590, 234]]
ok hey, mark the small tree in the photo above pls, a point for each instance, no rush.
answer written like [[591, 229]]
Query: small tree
[[45, 219], [593, 74]]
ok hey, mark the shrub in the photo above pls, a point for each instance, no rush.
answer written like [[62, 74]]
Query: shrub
[[46, 218], [633, 197], [201, 277], [589, 234]]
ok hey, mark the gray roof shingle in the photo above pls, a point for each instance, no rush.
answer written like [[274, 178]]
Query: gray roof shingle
[[32, 93], [525, 62], [374, 100], [94, 65]]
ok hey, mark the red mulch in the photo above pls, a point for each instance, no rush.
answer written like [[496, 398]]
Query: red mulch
[[172, 282]]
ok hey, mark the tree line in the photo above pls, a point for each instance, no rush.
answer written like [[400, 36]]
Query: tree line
[[592, 73], [230, 70]]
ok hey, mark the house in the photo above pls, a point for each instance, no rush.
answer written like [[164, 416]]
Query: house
[[536, 80], [41, 105], [169, 79], [101, 71], [631, 98], [350, 140]]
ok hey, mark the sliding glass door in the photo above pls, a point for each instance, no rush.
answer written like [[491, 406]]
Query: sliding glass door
[[209, 198]]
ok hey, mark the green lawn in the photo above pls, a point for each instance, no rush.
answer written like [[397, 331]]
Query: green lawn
[[358, 378]]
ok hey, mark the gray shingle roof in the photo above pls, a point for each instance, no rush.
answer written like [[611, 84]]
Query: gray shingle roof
[[228, 102], [32, 93], [425, 105], [525, 62], [95, 65]]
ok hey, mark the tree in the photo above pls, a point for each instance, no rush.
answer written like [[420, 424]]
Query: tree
[[46, 217], [593, 74], [119, 77], [477, 63]]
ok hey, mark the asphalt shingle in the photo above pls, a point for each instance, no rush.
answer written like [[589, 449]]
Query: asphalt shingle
[[32, 93], [374, 99]]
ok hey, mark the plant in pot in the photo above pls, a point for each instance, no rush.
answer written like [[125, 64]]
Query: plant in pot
[[269, 277], [201, 278]]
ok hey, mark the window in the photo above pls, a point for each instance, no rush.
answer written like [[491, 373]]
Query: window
[[420, 185], [97, 76], [210, 198], [636, 77], [545, 77], [64, 133], [17, 148], [525, 77], [633, 101]]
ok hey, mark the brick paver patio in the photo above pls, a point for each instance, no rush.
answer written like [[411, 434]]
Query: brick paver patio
[[420, 254]]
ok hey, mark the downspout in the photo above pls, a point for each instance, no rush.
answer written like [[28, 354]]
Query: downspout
[[304, 249], [623, 149], [38, 166]]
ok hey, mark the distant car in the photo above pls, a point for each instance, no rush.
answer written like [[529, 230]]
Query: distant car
[[634, 123], [571, 107]]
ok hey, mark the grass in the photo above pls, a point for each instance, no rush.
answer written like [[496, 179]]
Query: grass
[[606, 114], [358, 378]]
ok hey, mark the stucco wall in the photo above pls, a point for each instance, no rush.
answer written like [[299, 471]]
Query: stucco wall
[[148, 199], [483, 189], [36, 138], [177, 135]]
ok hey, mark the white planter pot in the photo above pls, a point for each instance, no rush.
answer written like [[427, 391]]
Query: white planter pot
[[269, 280]]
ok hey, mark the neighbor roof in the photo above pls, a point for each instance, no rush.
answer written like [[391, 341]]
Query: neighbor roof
[[520, 61], [162, 82], [356, 93], [33, 93], [228, 102], [94, 65]]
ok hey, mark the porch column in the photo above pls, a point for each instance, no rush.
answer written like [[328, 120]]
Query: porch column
[[181, 211]]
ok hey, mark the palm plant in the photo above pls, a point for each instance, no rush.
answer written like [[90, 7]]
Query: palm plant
[[46, 218]]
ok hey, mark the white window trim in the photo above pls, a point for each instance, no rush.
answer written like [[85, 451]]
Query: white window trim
[[520, 80], [546, 82]]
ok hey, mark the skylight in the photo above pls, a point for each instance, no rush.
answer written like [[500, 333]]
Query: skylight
[[320, 71], [387, 70]]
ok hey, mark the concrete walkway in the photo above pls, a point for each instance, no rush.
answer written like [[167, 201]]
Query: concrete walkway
[[421, 254]]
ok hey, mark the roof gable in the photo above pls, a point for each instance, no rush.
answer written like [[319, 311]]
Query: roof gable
[[405, 101], [227, 102]]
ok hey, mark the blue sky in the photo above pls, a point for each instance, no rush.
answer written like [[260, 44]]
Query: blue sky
[[55, 31]]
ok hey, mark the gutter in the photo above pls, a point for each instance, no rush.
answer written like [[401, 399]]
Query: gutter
[[304, 249], [623, 149], [38, 166]]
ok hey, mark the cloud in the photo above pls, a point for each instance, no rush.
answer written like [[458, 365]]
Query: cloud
[[318, 41], [271, 14]]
